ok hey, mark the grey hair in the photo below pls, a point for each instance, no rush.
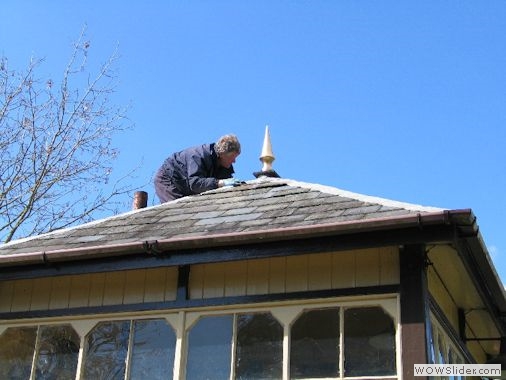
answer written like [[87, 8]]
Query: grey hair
[[227, 144]]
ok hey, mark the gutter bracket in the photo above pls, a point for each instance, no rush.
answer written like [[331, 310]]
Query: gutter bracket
[[151, 248], [419, 221]]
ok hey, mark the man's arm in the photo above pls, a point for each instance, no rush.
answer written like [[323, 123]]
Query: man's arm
[[199, 170]]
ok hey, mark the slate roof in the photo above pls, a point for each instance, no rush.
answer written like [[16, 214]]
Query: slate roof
[[261, 204]]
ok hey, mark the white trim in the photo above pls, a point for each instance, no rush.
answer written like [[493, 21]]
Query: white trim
[[234, 347], [286, 312], [180, 349]]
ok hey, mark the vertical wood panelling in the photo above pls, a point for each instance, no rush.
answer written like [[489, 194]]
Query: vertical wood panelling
[[135, 283], [114, 288], [235, 278], [22, 295], [214, 281], [170, 284], [258, 277], [80, 290], [296, 273], [196, 283], [60, 293], [41, 294], [6, 294], [367, 267], [277, 275], [334, 270], [320, 271], [96, 289], [343, 270], [389, 266], [155, 285]]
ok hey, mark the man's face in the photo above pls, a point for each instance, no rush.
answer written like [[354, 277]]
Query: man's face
[[227, 159]]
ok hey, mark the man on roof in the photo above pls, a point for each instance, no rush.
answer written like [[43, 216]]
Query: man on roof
[[198, 169]]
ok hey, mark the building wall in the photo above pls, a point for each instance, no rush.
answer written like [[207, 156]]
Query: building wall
[[98, 289], [348, 269], [336, 270], [339, 270]]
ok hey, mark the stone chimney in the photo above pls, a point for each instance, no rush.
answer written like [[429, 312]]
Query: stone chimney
[[267, 158]]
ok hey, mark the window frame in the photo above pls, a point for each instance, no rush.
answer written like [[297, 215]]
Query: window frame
[[286, 312], [440, 336]]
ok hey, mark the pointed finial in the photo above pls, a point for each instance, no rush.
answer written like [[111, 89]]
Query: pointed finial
[[267, 157]]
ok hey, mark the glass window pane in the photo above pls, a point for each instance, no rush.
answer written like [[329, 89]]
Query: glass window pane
[[369, 342], [452, 358], [57, 353], [314, 349], [17, 345], [106, 351], [441, 350], [153, 350], [259, 352], [432, 349], [209, 349]]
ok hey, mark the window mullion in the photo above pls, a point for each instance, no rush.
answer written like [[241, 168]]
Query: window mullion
[[82, 328], [286, 351], [129, 350], [234, 343], [341, 342], [34, 357], [181, 349]]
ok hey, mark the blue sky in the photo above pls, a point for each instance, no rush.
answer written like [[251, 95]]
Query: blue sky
[[404, 100]]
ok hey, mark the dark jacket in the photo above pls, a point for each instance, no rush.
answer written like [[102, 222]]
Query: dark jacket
[[188, 172]]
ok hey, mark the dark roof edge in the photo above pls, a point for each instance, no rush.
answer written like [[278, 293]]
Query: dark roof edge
[[459, 217], [482, 267]]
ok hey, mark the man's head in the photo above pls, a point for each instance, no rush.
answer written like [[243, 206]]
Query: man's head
[[227, 148]]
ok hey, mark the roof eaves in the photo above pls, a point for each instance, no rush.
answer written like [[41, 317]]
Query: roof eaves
[[443, 217]]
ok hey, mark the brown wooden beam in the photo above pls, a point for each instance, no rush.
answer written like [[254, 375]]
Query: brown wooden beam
[[183, 279], [414, 308]]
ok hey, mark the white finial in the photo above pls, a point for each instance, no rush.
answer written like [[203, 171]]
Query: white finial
[[267, 157]]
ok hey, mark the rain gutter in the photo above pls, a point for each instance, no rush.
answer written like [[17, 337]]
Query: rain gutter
[[447, 217]]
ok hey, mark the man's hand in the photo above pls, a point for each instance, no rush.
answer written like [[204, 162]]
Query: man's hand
[[229, 182]]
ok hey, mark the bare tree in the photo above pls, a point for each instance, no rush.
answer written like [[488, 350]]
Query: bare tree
[[55, 145]]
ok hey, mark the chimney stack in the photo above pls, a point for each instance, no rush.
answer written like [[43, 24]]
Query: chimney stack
[[267, 157], [140, 200]]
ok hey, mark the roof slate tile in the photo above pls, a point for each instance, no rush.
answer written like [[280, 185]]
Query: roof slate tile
[[259, 205]]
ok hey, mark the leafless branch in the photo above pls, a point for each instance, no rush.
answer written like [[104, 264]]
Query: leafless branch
[[56, 145]]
